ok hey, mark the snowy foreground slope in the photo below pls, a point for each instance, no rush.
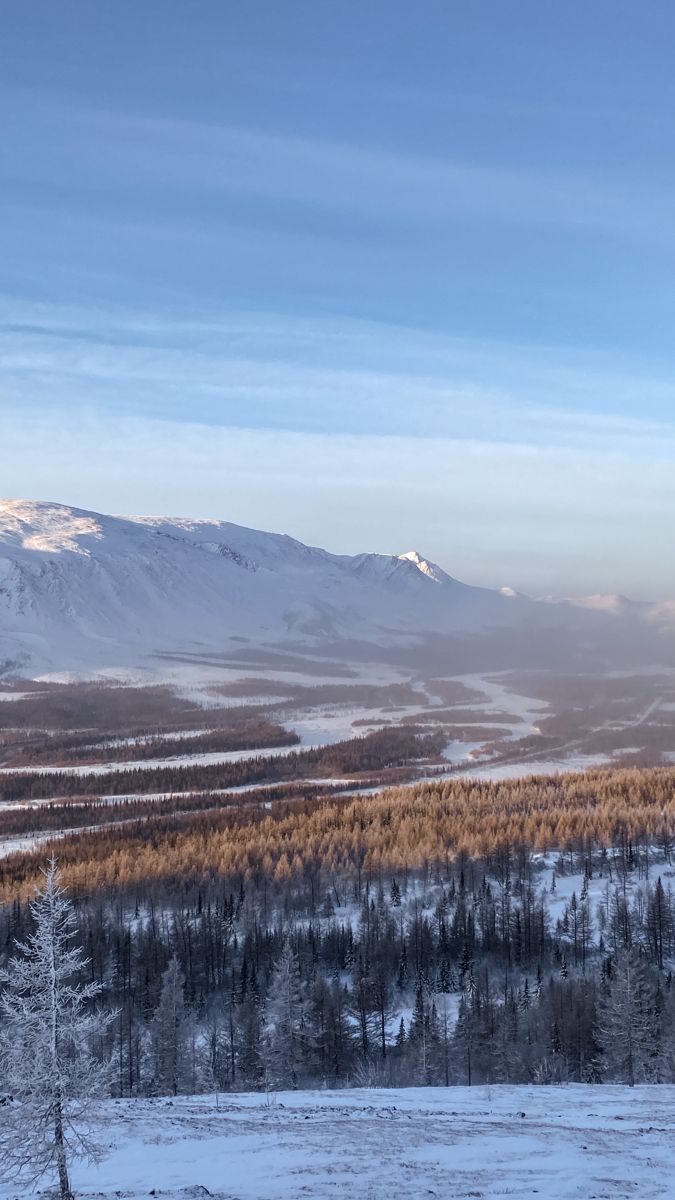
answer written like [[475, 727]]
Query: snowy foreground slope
[[86, 593], [575, 1142]]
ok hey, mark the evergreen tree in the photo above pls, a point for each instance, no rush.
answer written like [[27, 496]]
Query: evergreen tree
[[171, 1032], [285, 1022], [250, 1056], [627, 1023]]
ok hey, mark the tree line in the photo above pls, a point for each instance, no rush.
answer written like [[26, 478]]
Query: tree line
[[64, 751], [372, 752], [397, 829]]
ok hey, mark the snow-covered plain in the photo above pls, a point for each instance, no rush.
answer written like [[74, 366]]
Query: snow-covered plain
[[559, 1143], [524, 710]]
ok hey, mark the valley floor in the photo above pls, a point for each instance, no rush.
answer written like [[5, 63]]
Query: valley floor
[[560, 1143]]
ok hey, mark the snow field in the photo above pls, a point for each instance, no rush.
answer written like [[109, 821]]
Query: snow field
[[577, 1142]]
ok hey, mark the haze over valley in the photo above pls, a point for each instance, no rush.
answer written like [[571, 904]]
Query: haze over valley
[[322, 646]]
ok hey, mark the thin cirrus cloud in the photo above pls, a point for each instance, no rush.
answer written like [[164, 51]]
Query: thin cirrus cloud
[[114, 154], [469, 450], [124, 207], [272, 373], [436, 395]]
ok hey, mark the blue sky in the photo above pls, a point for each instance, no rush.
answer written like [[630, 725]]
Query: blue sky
[[378, 275]]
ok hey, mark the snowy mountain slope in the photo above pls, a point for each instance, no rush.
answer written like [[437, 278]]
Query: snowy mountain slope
[[80, 591]]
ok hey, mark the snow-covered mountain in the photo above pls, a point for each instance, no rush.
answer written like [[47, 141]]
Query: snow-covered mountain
[[84, 592]]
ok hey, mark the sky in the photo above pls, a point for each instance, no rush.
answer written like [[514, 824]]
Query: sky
[[382, 276]]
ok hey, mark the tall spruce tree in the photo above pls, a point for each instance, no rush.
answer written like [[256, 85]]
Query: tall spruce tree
[[285, 1022], [627, 1022], [170, 1032]]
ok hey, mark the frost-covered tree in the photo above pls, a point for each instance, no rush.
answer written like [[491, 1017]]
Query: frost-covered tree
[[48, 1069], [628, 1022], [171, 1042], [285, 1022]]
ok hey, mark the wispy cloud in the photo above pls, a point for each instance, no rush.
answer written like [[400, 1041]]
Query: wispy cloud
[[506, 464], [328, 376], [184, 162], [343, 295]]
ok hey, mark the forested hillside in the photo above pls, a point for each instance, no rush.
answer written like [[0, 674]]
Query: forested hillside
[[453, 932]]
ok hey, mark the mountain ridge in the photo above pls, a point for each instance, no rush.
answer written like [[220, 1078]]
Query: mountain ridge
[[84, 591]]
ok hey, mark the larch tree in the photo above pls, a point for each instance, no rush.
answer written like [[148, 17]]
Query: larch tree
[[48, 1024]]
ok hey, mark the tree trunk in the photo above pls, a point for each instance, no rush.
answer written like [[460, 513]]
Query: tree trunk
[[60, 1145]]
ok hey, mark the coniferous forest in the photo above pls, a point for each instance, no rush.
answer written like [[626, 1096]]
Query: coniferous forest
[[454, 932]]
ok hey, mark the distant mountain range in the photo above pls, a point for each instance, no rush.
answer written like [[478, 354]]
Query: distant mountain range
[[82, 592]]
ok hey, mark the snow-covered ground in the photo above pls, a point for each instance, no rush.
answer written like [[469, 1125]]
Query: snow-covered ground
[[536, 766], [207, 758], [25, 844], [502, 709], [526, 711], [322, 725], [559, 1143], [461, 752], [315, 728]]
